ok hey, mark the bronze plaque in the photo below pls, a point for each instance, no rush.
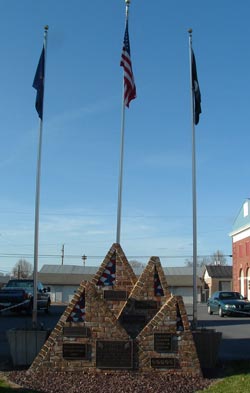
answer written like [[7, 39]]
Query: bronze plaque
[[76, 331], [163, 342], [164, 363], [146, 304], [114, 354], [133, 318], [115, 295], [75, 351]]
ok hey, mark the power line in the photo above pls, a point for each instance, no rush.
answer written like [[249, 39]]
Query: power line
[[7, 255]]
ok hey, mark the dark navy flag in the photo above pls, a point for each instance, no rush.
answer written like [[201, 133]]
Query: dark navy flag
[[38, 84], [196, 91]]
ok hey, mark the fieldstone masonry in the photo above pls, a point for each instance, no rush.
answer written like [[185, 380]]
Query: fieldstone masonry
[[116, 322]]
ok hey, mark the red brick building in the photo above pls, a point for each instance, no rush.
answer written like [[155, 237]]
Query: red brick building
[[241, 250]]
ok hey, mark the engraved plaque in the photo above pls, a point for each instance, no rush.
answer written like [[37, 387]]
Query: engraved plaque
[[115, 295], [75, 351], [146, 304], [133, 318], [76, 331], [164, 363], [163, 342], [114, 354]]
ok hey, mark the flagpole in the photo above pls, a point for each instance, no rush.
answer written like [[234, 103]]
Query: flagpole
[[119, 206], [193, 191], [37, 203]]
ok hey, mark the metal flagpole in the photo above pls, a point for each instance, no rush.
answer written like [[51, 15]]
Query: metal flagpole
[[193, 191], [119, 206], [37, 204]]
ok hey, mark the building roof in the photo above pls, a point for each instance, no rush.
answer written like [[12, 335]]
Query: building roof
[[68, 269], [183, 271], [74, 275], [242, 220], [89, 270], [63, 279], [219, 271]]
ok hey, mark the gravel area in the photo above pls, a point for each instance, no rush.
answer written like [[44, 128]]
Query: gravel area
[[124, 382]]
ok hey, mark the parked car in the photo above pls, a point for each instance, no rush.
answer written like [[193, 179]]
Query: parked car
[[17, 295], [228, 303]]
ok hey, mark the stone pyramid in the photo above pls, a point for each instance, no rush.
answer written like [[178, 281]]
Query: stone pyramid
[[115, 271], [166, 342], [86, 325], [148, 295], [152, 283], [115, 278]]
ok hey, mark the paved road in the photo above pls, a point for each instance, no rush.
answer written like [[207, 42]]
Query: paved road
[[235, 342]]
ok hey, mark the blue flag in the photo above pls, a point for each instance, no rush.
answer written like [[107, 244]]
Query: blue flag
[[38, 84]]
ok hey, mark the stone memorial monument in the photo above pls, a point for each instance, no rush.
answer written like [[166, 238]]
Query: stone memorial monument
[[118, 322]]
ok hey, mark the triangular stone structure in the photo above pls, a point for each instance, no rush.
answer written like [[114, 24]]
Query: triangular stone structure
[[152, 284], [148, 295], [80, 344], [115, 271], [115, 278], [166, 342]]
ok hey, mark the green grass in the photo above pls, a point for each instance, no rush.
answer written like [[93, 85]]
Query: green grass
[[6, 388], [235, 379]]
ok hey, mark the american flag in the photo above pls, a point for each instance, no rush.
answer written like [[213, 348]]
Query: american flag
[[129, 84]]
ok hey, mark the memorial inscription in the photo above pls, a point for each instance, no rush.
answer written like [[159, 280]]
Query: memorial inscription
[[163, 342], [133, 318], [146, 304], [164, 363], [114, 354], [76, 331], [115, 295], [75, 351]]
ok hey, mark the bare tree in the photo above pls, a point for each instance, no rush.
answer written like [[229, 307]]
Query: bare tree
[[22, 269], [134, 263], [217, 258], [201, 261]]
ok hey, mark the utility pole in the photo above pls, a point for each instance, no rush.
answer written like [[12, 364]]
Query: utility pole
[[62, 253], [84, 259]]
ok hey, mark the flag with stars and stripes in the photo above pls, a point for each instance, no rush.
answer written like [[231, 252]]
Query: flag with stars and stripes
[[129, 84], [108, 276], [78, 312], [157, 285]]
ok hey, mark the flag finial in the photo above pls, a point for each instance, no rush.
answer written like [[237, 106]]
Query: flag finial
[[127, 2], [190, 31], [46, 27]]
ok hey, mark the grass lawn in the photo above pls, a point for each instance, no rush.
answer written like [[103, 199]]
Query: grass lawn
[[5, 387], [235, 378]]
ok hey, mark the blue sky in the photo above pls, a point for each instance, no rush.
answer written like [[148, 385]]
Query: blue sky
[[81, 133]]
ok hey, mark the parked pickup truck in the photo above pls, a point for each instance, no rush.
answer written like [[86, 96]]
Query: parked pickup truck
[[17, 295]]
